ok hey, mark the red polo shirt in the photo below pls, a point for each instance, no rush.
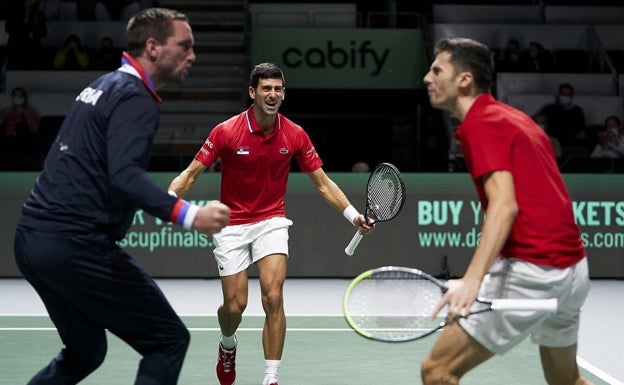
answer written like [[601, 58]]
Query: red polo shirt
[[494, 137], [255, 166]]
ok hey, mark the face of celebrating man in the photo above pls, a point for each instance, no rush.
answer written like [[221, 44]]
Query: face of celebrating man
[[268, 95], [174, 59], [442, 82]]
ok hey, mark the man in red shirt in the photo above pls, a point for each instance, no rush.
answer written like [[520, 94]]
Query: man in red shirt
[[256, 148], [530, 245]]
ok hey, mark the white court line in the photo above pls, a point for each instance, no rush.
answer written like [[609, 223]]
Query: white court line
[[200, 329], [581, 362], [598, 372], [213, 315]]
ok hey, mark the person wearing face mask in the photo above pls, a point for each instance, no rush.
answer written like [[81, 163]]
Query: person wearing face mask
[[20, 123], [567, 122], [610, 140]]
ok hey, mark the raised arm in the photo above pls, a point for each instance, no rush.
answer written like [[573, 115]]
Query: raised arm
[[335, 197], [182, 183]]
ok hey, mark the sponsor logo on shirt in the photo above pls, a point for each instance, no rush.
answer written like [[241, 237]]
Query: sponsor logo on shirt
[[242, 151], [89, 96], [283, 150]]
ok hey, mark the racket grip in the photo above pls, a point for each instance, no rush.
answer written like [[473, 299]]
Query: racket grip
[[355, 241]]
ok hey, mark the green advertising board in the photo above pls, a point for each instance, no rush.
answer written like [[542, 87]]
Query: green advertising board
[[442, 218], [332, 58]]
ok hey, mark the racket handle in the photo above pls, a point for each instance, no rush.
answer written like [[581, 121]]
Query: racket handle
[[355, 241], [547, 305]]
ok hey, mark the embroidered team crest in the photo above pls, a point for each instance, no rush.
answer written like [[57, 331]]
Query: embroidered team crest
[[242, 151], [283, 150]]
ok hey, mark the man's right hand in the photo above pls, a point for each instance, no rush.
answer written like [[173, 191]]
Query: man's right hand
[[213, 217]]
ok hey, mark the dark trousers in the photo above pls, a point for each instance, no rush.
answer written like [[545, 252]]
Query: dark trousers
[[88, 288]]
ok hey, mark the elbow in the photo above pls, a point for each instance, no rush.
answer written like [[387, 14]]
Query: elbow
[[511, 209]]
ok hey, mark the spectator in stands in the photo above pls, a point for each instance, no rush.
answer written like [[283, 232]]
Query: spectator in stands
[[613, 121], [3, 59], [537, 59], [510, 58], [25, 24], [107, 56], [20, 123], [19, 119], [72, 55], [542, 122], [360, 167], [610, 140], [566, 122]]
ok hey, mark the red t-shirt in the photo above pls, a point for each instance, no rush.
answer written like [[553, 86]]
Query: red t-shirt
[[255, 166], [495, 136]]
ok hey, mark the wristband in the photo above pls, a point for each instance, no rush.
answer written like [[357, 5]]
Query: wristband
[[172, 193], [184, 213], [350, 213]]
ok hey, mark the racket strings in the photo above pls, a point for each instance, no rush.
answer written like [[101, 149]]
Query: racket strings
[[394, 306], [385, 194]]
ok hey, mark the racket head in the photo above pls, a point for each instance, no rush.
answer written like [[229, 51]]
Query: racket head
[[393, 304], [385, 193]]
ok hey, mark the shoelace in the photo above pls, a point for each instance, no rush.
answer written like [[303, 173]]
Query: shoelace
[[227, 359]]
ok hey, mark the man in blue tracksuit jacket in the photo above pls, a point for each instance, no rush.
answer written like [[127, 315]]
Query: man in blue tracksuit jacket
[[92, 182]]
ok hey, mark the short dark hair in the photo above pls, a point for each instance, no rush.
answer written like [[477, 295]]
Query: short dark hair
[[472, 56], [148, 23], [566, 85], [613, 117], [265, 71], [19, 89]]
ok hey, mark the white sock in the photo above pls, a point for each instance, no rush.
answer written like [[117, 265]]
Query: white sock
[[271, 371], [228, 342]]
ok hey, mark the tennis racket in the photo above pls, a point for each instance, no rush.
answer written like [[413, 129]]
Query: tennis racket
[[395, 304], [385, 197]]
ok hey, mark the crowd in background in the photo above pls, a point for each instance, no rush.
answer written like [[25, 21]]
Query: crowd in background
[[26, 25]]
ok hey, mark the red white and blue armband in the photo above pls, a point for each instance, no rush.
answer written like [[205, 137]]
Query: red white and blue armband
[[183, 213]]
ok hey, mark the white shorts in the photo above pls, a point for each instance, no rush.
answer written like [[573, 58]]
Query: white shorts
[[514, 278], [238, 246]]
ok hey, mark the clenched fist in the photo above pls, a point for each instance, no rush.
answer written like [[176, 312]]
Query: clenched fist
[[213, 217]]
